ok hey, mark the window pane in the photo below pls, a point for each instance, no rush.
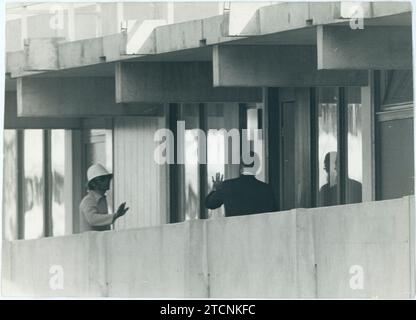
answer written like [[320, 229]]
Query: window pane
[[355, 166], [396, 87], [189, 173], [10, 185], [327, 145], [288, 155], [396, 177], [58, 181], [33, 184]]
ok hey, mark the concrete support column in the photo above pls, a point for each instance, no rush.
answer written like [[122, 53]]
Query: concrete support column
[[265, 121], [120, 15], [171, 12], [73, 180], [24, 34], [98, 21], [368, 140], [71, 22], [412, 232]]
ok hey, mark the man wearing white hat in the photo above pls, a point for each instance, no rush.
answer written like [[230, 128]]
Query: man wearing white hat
[[93, 207]]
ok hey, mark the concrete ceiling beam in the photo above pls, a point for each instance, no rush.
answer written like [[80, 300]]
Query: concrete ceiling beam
[[12, 121], [276, 66], [152, 82], [74, 97], [381, 48]]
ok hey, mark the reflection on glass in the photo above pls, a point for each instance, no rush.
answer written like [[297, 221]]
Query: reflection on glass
[[355, 166], [57, 183], [190, 203], [327, 146], [10, 185], [33, 184]]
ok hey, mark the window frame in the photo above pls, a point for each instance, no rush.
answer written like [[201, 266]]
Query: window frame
[[47, 184], [47, 214], [342, 145], [380, 89], [175, 183], [385, 112]]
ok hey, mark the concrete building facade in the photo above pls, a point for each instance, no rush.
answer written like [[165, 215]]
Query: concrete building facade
[[318, 79]]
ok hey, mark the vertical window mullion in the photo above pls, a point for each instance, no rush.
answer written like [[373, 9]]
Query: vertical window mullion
[[242, 120], [272, 101], [202, 167], [342, 159], [20, 185], [113, 165], [173, 168], [376, 93], [47, 203], [259, 119], [314, 147]]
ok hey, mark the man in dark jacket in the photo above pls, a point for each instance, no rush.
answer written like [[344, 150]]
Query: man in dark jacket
[[328, 193], [243, 195]]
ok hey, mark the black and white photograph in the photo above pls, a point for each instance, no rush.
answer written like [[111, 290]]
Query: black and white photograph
[[208, 150]]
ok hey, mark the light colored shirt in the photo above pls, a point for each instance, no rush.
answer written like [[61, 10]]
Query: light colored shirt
[[94, 213]]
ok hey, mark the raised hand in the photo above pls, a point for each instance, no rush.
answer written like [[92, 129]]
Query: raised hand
[[121, 211], [219, 179]]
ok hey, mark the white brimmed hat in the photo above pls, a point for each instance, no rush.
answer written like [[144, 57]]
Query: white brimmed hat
[[97, 170]]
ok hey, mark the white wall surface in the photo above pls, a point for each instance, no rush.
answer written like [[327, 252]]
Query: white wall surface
[[138, 179]]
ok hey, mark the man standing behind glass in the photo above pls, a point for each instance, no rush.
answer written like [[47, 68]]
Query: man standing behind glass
[[328, 193], [93, 207]]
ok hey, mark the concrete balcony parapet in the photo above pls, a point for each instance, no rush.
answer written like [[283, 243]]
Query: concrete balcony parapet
[[361, 250]]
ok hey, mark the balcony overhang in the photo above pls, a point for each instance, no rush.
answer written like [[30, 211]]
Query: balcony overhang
[[283, 23], [200, 61]]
